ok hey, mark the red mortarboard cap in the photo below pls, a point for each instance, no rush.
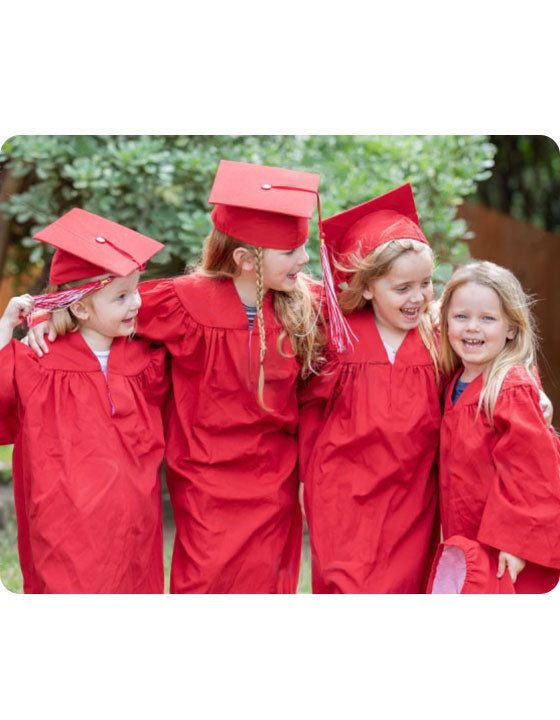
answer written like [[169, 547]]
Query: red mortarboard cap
[[361, 229], [264, 206], [88, 245], [465, 567]]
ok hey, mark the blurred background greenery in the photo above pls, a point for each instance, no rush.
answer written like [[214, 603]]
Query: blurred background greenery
[[159, 185]]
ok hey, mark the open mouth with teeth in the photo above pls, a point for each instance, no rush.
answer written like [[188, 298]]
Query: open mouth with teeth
[[472, 343], [411, 313]]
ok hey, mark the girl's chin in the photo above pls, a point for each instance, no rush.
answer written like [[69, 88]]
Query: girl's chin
[[286, 286], [409, 323], [127, 329]]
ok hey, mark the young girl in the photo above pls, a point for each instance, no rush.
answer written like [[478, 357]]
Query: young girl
[[241, 331], [370, 421], [499, 461], [85, 419]]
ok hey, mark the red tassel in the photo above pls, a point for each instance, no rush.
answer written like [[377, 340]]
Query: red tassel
[[61, 300], [64, 298], [339, 331], [33, 320]]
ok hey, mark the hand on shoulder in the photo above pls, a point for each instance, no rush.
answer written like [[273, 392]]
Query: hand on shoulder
[[38, 335]]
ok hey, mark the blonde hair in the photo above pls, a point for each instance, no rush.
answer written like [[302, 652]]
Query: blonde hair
[[296, 310], [515, 304], [375, 265], [64, 320]]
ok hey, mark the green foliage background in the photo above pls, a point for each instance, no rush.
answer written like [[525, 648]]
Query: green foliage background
[[159, 185], [525, 180]]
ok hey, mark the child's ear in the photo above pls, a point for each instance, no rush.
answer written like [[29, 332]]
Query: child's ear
[[511, 333], [367, 292], [79, 310], [243, 259]]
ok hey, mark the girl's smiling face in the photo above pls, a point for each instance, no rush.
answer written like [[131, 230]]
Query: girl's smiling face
[[281, 268], [401, 296], [478, 328], [110, 312]]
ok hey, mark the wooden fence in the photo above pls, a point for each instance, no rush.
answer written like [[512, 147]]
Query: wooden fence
[[534, 256]]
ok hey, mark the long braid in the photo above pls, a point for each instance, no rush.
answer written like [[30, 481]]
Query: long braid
[[296, 311], [260, 318]]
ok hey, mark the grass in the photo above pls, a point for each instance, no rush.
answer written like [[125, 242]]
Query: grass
[[10, 573], [6, 463], [9, 562], [304, 585]]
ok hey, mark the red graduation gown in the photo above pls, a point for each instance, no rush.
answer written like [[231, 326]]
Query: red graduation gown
[[231, 466], [369, 434], [501, 486], [86, 465]]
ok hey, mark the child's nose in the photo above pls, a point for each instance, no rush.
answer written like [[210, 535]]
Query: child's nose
[[303, 256], [136, 300]]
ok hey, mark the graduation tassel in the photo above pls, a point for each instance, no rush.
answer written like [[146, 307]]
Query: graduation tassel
[[339, 331], [61, 300]]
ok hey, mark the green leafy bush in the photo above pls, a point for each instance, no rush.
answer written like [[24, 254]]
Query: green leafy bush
[[159, 185]]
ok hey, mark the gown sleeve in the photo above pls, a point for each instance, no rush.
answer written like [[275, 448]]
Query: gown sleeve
[[314, 394], [161, 317], [156, 376], [8, 396], [522, 511], [20, 371]]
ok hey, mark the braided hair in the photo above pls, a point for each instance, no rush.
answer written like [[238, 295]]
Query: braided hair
[[296, 310]]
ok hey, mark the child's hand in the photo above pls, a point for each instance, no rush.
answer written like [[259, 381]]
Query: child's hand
[[35, 337], [18, 308], [514, 565]]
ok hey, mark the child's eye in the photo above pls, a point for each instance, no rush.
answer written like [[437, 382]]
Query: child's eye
[[427, 283], [402, 288], [459, 316], [488, 317]]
